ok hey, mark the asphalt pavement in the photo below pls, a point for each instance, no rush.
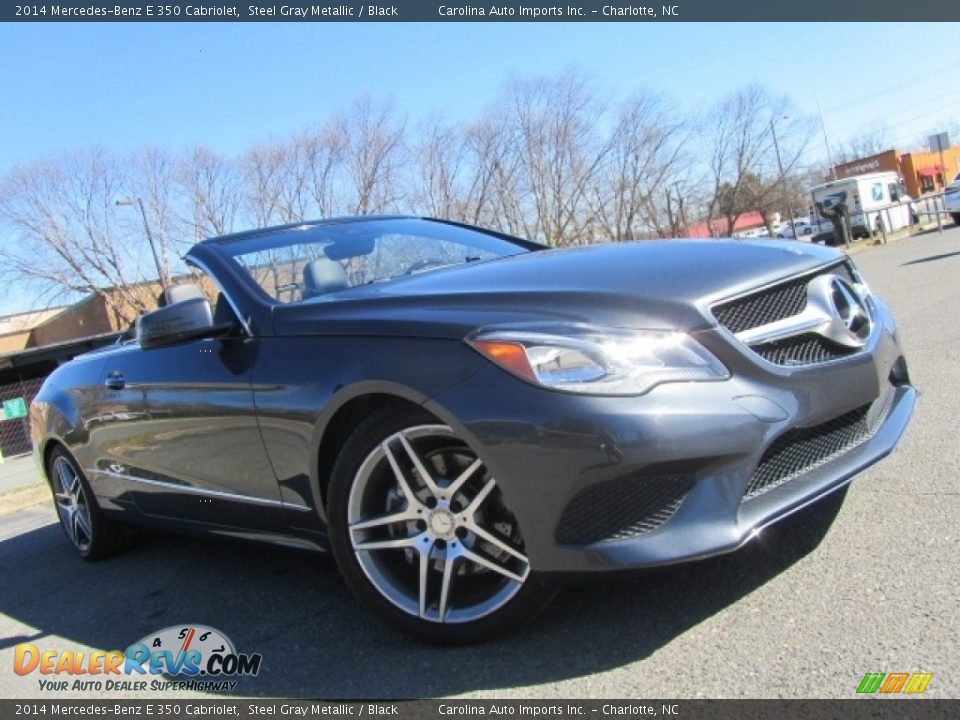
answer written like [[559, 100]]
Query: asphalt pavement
[[865, 581]]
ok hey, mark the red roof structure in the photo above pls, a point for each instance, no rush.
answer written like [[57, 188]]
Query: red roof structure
[[717, 227]]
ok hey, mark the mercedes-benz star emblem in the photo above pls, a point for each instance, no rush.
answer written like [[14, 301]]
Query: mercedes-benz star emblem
[[848, 317]]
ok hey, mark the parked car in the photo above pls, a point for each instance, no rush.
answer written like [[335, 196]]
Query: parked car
[[828, 235], [798, 229], [459, 416], [951, 200]]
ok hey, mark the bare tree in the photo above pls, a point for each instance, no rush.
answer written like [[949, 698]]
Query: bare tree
[[632, 194], [870, 140], [442, 154], [65, 239], [152, 179], [264, 170], [373, 151], [554, 134], [323, 154], [493, 195], [211, 186], [741, 153]]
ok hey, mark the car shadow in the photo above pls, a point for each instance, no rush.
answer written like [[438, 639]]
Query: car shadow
[[317, 641], [931, 258]]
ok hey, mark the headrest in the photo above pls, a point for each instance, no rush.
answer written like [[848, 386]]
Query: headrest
[[323, 276], [184, 291]]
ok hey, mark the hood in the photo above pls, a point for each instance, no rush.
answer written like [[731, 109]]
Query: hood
[[666, 284]]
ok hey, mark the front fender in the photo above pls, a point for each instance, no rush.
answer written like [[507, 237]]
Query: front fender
[[54, 417], [301, 385]]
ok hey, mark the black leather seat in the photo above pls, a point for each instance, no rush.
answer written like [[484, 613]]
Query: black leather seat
[[323, 276]]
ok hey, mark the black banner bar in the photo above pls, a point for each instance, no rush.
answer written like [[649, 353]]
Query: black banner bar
[[853, 11], [873, 708]]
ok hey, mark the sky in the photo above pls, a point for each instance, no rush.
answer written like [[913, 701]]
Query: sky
[[128, 85]]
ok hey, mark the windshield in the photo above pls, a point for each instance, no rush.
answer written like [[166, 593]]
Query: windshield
[[310, 262]]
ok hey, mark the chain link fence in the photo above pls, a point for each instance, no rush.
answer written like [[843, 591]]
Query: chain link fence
[[15, 399]]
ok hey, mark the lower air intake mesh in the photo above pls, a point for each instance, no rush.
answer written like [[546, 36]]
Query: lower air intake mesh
[[797, 451], [622, 508]]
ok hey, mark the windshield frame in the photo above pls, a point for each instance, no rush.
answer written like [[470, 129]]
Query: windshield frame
[[229, 247]]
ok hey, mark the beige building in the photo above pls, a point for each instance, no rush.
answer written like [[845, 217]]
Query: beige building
[[107, 312], [15, 329]]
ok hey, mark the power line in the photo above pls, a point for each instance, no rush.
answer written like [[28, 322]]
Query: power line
[[915, 105], [899, 137], [898, 86], [926, 114]]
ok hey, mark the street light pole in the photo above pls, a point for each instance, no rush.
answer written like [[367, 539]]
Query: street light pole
[[681, 217], [833, 168], [146, 226], [783, 177]]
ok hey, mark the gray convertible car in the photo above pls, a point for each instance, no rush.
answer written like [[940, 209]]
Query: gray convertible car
[[460, 416]]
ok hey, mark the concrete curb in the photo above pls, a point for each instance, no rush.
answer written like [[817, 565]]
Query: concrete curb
[[20, 498], [861, 245]]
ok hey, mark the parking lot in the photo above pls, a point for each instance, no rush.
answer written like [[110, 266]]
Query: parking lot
[[865, 581]]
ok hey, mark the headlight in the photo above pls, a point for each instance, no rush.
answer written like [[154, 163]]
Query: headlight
[[597, 361]]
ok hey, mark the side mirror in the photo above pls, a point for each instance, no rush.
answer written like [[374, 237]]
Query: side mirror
[[185, 320]]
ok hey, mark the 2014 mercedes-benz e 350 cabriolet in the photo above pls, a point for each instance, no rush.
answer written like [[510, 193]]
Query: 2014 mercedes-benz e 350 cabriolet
[[457, 414]]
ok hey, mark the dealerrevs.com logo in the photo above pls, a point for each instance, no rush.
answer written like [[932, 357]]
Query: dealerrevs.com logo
[[181, 657]]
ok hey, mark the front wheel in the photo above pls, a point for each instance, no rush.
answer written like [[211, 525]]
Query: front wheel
[[422, 533], [91, 534]]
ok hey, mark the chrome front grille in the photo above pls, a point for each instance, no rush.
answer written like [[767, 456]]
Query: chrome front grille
[[764, 307], [777, 323]]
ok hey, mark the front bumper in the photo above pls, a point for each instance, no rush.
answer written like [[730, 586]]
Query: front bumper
[[547, 451]]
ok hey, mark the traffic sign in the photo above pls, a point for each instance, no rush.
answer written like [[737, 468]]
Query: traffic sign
[[14, 408]]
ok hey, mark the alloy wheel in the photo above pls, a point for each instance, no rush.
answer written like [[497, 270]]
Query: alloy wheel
[[428, 526], [72, 504]]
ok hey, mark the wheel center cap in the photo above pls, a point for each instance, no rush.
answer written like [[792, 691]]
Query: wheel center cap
[[442, 523]]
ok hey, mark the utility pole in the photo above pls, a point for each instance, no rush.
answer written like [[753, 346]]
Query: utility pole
[[833, 168], [783, 177]]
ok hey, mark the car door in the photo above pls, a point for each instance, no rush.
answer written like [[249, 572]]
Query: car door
[[196, 453]]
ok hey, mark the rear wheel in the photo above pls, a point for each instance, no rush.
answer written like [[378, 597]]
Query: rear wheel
[[91, 534], [422, 534]]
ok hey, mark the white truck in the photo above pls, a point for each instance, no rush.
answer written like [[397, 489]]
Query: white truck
[[870, 199]]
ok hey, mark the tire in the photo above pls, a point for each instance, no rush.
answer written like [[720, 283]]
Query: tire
[[448, 569], [956, 218], [90, 533]]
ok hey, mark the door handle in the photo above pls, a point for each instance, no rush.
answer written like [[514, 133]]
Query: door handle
[[115, 380]]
